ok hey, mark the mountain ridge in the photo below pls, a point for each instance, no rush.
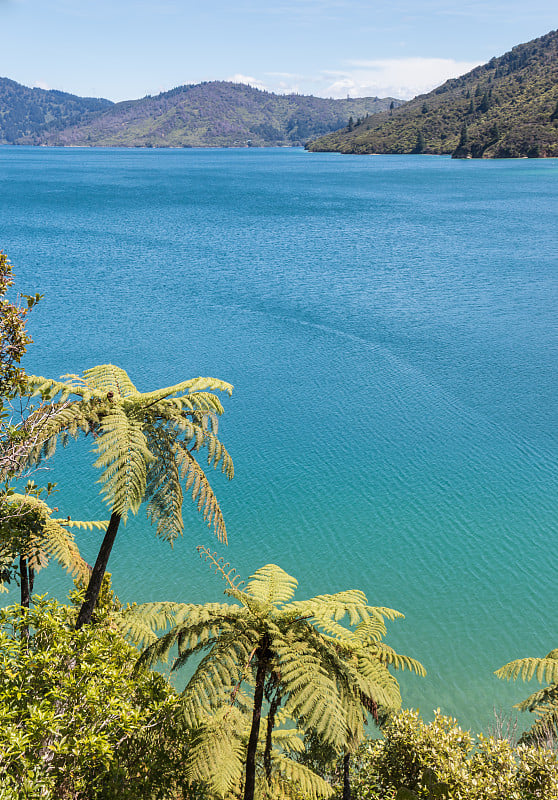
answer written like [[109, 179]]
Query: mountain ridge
[[212, 113], [506, 108]]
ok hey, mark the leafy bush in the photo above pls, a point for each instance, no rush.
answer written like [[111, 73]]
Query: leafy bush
[[76, 721], [482, 768]]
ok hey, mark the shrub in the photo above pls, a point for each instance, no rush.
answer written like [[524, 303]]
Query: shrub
[[481, 768]]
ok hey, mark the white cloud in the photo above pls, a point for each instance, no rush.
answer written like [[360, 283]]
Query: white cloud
[[41, 85], [239, 78], [394, 77]]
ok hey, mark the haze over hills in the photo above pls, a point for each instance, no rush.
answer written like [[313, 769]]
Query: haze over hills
[[216, 113], [507, 108]]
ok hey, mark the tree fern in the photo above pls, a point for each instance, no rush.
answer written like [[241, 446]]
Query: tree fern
[[298, 654], [544, 702], [146, 446], [29, 533]]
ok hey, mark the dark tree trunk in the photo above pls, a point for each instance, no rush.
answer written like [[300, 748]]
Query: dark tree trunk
[[24, 582], [346, 777], [250, 782], [268, 741], [98, 573]]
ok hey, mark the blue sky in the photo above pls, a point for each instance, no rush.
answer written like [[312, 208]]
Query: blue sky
[[123, 49]]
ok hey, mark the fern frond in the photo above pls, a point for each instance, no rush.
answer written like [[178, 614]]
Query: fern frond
[[271, 585], [299, 779], [59, 544], [545, 670], [163, 487], [88, 525], [215, 755], [197, 385], [123, 459], [312, 694], [106, 378], [201, 490]]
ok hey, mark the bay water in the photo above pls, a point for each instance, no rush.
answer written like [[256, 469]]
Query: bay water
[[389, 325]]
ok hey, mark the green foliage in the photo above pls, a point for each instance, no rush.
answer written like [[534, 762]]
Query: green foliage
[[144, 441], [210, 114], [13, 335], [544, 702], [517, 93], [28, 529], [320, 662], [75, 721], [440, 759]]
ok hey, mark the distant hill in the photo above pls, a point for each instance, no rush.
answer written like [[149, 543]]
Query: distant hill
[[213, 114], [27, 113], [507, 108]]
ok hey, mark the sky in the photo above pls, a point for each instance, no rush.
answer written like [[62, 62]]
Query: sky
[[125, 49]]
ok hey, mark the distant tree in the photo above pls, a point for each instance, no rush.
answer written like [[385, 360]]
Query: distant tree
[[350, 126], [484, 104], [471, 109], [424, 108], [463, 137], [420, 144], [391, 107], [554, 115]]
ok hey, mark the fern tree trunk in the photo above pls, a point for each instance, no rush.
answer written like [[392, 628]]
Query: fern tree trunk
[[97, 575], [261, 672], [24, 582], [346, 777], [269, 733]]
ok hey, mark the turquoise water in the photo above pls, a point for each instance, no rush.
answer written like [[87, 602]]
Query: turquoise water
[[389, 324]]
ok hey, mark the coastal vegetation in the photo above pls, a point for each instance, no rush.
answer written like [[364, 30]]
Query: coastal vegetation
[[506, 108], [210, 114], [283, 691]]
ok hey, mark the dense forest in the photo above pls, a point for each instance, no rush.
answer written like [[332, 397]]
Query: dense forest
[[25, 114], [507, 108], [212, 114]]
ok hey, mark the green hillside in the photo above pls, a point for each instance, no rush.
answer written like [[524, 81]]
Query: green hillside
[[27, 113], [507, 108], [215, 114]]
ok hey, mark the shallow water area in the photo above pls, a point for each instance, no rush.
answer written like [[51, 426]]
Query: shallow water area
[[389, 324]]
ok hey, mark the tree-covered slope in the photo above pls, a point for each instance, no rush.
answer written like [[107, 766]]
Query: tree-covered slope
[[507, 108], [27, 113], [217, 113]]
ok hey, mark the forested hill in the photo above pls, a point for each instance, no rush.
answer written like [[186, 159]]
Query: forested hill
[[27, 113], [507, 108], [217, 113]]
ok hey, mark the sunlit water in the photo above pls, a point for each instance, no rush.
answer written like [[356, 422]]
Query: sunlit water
[[389, 324]]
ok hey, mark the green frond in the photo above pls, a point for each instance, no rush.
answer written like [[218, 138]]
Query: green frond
[[216, 753], [163, 486], [123, 459], [298, 779], [56, 422], [387, 655], [49, 388], [194, 385], [107, 378], [139, 622], [271, 585], [59, 544], [88, 525], [545, 670], [197, 482], [541, 699], [312, 694]]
